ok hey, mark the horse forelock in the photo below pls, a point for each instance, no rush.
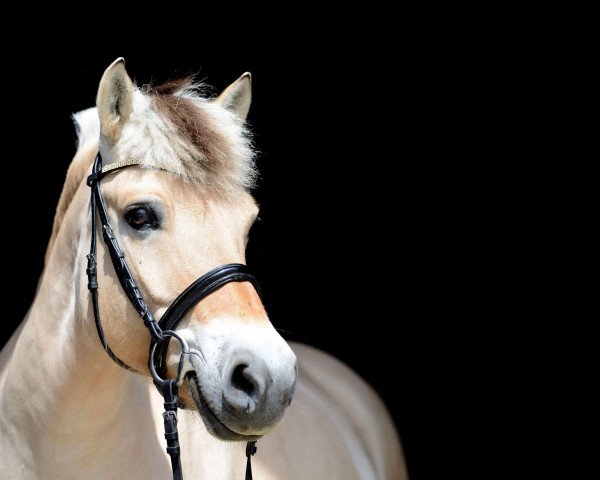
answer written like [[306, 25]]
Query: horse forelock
[[173, 126]]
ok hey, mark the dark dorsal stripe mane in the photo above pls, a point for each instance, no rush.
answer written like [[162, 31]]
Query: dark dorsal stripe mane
[[208, 145], [171, 87]]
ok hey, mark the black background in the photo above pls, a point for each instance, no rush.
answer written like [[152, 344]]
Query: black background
[[345, 252]]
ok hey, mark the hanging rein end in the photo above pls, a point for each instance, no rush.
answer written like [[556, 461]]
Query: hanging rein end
[[170, 391], [250, 450]]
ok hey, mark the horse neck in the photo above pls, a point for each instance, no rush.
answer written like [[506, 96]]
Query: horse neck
[[62, 396]]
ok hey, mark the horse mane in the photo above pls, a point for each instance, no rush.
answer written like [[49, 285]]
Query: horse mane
[[87, 126]]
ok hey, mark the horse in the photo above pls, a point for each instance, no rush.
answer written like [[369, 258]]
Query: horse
[[181, 207]]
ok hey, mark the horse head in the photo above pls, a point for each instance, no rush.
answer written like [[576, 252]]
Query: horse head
[[182, 210]]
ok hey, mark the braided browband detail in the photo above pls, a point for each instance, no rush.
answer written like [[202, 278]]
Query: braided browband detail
[[128, 163]]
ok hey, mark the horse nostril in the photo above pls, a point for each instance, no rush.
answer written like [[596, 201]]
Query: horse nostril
[[244, 387], [242, 380]]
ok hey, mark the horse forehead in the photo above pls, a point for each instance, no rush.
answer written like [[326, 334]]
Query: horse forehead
[[136, 180], [131, 185], [231, 216]]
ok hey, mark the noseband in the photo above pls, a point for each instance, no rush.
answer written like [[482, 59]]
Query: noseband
[[162, 331]]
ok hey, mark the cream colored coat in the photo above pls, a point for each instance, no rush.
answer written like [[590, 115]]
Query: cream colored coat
[[69, 412]]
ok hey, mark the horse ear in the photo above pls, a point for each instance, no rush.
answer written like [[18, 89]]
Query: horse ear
[[237, 96], [114, 100]]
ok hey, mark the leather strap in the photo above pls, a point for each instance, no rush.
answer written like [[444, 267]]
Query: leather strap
[[116, 254], [250, 450], [169, 392], [201, 288], [91, 269]]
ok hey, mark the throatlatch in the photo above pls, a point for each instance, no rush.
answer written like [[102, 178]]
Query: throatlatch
[[160, 332]]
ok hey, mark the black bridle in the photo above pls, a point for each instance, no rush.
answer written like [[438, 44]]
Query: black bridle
[[162, 331]]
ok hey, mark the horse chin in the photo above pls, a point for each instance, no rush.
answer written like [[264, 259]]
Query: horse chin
[[212, 423]]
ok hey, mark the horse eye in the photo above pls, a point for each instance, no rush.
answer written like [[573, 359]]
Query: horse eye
[[141, 218]]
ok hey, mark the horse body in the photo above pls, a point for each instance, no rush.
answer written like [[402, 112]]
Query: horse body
[[69, 412]]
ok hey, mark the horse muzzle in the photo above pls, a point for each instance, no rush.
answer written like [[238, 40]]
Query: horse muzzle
[[240, 376]]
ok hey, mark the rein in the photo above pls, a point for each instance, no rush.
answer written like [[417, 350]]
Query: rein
[[162, 331]]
